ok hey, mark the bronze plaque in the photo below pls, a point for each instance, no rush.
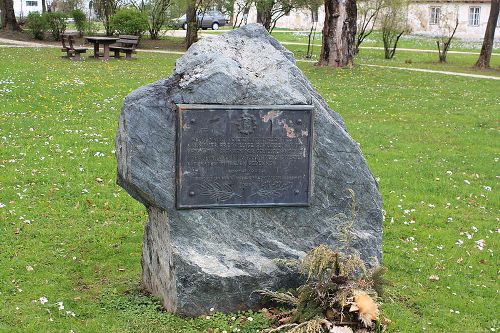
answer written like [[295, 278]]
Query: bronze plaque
[[247, 156]]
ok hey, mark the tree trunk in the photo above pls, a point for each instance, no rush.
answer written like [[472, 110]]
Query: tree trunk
[[2, 13], [44, 6], [339, 32], [192, 24], [264, 18], [489, 35], [9, 21]]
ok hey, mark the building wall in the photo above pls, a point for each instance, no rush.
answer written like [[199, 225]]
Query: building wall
[[297, 20], [24, 7], [419, 19]]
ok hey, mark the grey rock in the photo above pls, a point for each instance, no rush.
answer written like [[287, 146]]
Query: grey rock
[[198, 259]]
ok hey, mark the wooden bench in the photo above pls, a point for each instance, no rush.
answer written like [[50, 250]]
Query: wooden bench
[[72, 52], [126, 44]]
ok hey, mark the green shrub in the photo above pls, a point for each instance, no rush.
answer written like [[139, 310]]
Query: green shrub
[[80, 20], [37, 25], [57, 23], [129, 21], [91, 28]]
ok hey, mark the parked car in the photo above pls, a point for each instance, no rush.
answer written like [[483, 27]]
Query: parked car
[[210, 19]]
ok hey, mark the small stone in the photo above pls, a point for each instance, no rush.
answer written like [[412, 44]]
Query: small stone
[[434, 278]]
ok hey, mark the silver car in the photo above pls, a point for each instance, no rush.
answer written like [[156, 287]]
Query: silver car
[[210, 19]]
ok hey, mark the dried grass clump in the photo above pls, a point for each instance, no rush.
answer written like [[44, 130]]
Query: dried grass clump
[[340, 293]]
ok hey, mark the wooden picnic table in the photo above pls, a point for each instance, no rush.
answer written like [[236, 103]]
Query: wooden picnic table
[[105, 41]]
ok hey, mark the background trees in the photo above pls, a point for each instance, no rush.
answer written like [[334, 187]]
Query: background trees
[[339, 31], [105, 9], [157, 13], [270, 11]]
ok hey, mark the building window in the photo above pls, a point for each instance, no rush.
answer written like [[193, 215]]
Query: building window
[[435, 15], [31, 3], [474, 16]]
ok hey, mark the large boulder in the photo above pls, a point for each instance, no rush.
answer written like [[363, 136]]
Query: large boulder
[[198, 259]]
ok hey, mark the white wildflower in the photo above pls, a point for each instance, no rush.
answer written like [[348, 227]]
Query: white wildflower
[[43, 300], [480, 244]]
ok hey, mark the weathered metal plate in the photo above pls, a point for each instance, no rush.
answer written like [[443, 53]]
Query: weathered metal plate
[[251, 156]]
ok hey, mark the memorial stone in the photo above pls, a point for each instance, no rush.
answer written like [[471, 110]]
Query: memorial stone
[[241, 165]]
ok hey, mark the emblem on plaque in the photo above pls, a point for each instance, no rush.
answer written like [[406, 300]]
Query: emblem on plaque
[[247, 124]]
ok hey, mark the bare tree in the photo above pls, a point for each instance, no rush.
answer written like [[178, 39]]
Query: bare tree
[[393, 24], [156, 11], [105, 9], [448, 24], [314, 9], [339, 31], [368, 12], [489, 36], [270, 11], [9, 21], [240, 14]]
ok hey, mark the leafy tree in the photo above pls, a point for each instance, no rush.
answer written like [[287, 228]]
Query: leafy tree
[[393, 24], [56, 22], [37, 25], [129, 21], [80, 20], [489, 36], [105, 9], [157, 13], [339, 32]]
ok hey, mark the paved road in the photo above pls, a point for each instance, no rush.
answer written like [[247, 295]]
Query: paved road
[[7, 43]]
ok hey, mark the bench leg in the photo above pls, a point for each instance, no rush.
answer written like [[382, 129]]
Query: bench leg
[[117, 54], [76, 56], [128, 55]]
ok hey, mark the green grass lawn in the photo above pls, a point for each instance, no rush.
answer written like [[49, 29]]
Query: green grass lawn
[[70, 234]]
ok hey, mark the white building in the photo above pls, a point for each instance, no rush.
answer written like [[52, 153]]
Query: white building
[[425, 17], [23, 7], [434, 18]]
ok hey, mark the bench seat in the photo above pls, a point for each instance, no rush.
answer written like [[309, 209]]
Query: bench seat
[[125, 44]]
